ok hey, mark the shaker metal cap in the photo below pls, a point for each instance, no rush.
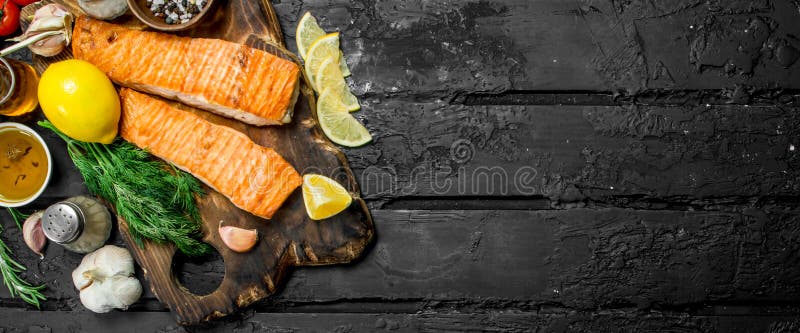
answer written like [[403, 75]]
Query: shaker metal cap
[[63, 222]]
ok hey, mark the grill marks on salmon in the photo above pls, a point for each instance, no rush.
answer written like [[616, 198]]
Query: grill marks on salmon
[[255, 178], [226, 78]]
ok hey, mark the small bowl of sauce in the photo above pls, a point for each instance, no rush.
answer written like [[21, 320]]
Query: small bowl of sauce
[[25, 165]]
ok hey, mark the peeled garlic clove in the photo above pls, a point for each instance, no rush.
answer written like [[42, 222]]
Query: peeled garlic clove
[[238, 239], [33, 235]]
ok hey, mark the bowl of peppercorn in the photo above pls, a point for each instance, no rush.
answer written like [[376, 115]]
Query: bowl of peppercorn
[[170, 15]]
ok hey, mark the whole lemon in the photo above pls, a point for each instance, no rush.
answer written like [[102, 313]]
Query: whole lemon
[[80, 100]]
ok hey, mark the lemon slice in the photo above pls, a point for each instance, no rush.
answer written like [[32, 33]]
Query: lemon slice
[[343, 65], [330, 78], [337, 124], [324, 197], [308, 31], [323, 48]]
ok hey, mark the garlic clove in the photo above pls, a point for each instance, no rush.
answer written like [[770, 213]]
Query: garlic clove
[[238, 239], [33, 235], [82, 276], [49, 47], [126, 291], [97, 298], [50, 17], [113, 260]]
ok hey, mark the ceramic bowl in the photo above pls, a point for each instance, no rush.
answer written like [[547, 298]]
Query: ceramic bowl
[[142, 11], [31, 132]]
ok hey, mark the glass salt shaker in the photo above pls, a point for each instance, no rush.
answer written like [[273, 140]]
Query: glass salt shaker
[[81, 224]]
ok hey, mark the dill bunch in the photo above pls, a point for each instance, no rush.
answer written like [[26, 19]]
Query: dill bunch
[[10, 269], [155, 198]]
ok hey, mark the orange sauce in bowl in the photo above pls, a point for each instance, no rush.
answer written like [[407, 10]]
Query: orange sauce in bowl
[[23, 165]]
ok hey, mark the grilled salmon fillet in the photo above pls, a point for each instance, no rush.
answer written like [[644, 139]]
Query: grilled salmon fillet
[[254, 178], [230, 79]]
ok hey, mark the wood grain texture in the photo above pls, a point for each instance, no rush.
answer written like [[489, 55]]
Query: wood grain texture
[[577, 259], [500, 45], [290, 238], [575, 153], [551, 45], [703, 231], [500, 321]]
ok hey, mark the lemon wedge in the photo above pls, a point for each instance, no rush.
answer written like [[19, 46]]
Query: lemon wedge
[[324, 197], [330, 78], [308, 31], [337, 124]]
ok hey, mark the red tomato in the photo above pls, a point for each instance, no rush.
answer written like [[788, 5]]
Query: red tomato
[[24, 2], [9, 18]]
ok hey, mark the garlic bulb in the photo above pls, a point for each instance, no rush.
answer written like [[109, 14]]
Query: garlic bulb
[[105, 280], [48, 34]]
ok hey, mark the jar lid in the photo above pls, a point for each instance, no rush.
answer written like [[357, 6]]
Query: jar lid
[[63, 222]]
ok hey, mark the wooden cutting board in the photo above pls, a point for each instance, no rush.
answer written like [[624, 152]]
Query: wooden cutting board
[[290, 238]]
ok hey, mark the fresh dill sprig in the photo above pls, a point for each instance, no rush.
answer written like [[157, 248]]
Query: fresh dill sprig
[[17, 216], [10, 270], [157, 200]]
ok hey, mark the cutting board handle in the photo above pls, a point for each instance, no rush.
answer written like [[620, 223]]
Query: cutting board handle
[[162, 271], [273, 33]]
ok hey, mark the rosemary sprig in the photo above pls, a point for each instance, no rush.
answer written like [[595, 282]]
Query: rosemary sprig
[[17, 216], [157, 201], [10, 270]]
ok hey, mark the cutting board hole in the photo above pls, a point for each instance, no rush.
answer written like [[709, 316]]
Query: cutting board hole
[[201, 275]]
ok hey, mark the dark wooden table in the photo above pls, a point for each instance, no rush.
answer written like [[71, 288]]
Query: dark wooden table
[[538, 165]]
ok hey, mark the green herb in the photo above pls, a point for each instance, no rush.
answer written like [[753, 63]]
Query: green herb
[[156, 199], [10, 270], [17, 216]]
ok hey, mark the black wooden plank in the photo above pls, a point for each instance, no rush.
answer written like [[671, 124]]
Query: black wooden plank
[[435, 48], [564, 153], [551, 45], [497, 321], [629, 156], [577, 153], [580, 259]]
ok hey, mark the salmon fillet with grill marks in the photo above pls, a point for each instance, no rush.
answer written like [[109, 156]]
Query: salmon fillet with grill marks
[[254, 178], [226, 78]]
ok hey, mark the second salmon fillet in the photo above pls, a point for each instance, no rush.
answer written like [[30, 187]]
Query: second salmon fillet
[[229, 79], [255, 178]]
